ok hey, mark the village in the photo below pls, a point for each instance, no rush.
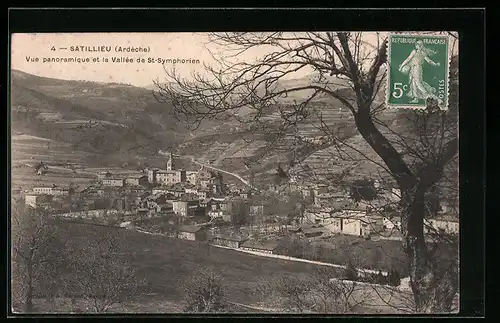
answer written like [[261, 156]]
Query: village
[[199, 205]]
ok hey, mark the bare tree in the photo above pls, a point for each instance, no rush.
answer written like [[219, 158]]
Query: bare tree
[[346, 296], [295, 291], [37, 255], [347, 70], [264, 288], [321, 292], [102, 276], [204, 292]]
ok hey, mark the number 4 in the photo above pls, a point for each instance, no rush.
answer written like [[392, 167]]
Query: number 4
[[53, 48], [398, 90]]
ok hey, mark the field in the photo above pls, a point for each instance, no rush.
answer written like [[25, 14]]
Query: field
[[25, 178], [166, 263], [382, 254], [29, 149], [66, 165]]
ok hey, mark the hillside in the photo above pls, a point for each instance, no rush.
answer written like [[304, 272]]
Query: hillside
[[166, 263], [123, 123], [115, 120], [262, 147]]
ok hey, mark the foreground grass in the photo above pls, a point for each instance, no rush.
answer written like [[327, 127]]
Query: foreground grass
[[166, 263]]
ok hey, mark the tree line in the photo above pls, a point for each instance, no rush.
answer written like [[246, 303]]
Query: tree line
[[47, 265]]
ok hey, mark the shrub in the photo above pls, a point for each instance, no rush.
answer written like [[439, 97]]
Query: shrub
[[394, 277], [351, 272]]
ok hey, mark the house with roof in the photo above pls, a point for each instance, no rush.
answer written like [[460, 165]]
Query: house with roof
[[143, 212], [53, 190], [204, 193], [103, 175], [351, 225], [114, 182], [245, 194], [268, 247], [217, 214], [157, 203], [446, 223], [228, 240], [136, 190], [317, 214], [175, 190], [169, 177], [216, 207], [191, 177], [91, 191], [152, 174], [323, 198], [136, 180], [205, 202], [357, 224], [160, 190], [35, 199], [192, 233], [256, 211], [391, 223], [314, 231], [187, 207], [190, 189]]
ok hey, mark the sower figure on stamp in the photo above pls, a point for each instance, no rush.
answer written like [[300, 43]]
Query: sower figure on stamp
[[413, 65]]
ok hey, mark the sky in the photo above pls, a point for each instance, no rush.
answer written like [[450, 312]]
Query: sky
[[27, 48]]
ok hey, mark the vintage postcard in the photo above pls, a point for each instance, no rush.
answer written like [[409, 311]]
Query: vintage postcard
[[248, 172]]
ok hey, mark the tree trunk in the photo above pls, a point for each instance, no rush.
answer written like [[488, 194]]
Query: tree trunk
[[412, 216], [413, 191], [28, 305]]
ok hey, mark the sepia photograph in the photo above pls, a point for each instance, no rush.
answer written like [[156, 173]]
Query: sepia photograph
[[311, 172]]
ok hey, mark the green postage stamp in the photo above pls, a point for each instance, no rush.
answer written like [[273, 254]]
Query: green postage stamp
[[418, 71]]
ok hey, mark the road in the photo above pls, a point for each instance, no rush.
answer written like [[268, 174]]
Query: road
[[244, 181], [262, 254]]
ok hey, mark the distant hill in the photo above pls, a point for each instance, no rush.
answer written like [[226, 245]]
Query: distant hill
[[108, 118], [236, 148], [120, 121]]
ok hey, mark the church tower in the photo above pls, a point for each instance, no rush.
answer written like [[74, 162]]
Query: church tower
[[170, 162]]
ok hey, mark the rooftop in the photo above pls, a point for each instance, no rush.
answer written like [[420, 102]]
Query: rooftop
[[155, 196], [164, 171], [229, 237], [189, 198], [264, 245], [136, 176], [37, 194]]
